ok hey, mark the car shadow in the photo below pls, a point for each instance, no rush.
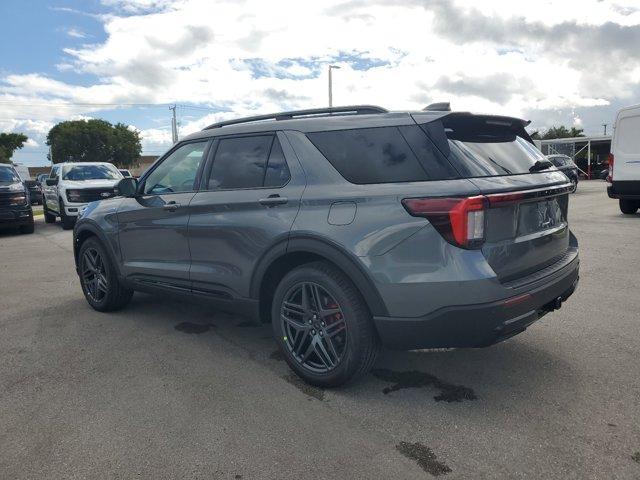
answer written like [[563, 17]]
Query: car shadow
[[519, 368]]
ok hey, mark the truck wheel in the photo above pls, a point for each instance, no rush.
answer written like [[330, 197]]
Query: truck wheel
[[48, 217], [67, 222], [28, 228], [628, 207], [323, 326], [99, 279]]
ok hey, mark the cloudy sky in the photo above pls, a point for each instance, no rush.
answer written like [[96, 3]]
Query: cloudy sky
[[553, 62]]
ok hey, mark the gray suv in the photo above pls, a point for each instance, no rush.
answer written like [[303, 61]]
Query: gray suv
[[347, 229]]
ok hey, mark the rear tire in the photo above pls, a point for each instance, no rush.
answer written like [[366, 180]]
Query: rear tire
[[354, 341], [67, 222], [99, 278], [27, 228], [48, 217], [628, 207]]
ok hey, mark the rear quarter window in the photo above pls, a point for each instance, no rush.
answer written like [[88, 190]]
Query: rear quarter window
[[383, 155]]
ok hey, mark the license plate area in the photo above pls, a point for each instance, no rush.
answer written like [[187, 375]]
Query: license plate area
[[542, 215]]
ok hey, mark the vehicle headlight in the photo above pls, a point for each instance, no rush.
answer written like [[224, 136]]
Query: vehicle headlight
[[73, 195], [15, 187], [20, 199]]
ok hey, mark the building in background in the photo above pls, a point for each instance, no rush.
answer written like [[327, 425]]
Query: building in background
[[588, 153]]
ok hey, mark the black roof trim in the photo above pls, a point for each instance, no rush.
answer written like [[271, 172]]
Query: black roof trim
[[311, 112]]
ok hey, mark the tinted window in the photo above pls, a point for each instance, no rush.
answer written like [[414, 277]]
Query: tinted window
[[240, 162], [8, 175], [177, 172], [277, 170], [91, 172], [381, 155], [481, 149]]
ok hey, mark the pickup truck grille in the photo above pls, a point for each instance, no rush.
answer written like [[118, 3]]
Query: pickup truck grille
[[86, 195], [11, 199]]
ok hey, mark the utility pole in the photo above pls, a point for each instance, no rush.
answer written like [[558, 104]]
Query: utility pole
[[331, 67], [174, 125], [605, 127]]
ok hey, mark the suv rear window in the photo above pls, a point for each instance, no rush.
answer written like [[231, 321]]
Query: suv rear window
[[480, 148], [383, 154]]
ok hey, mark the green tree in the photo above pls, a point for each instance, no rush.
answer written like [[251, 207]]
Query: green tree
[[9, 143], [94, 141]]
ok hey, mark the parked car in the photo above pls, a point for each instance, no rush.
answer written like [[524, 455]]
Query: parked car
[[35, 191], [566, 166], [15, 207], [345, 228], [71, 186], [42, 180], [624, 172], [125, 173]]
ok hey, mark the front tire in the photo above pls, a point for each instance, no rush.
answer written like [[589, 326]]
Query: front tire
[[48, 217], [99, 279], [323, 326], [628, 207], [67, 221], [30, 228]]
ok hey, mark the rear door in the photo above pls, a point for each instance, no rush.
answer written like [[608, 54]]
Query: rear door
[[153, 225], [526, 224], [249, 198]]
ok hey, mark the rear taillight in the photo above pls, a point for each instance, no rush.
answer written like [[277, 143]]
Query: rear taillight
[[610, 162], [459, 220]]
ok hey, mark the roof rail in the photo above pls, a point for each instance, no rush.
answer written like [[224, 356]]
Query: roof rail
[[353, 110]]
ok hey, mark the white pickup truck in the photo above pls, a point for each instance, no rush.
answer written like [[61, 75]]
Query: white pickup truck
[[71, 186]]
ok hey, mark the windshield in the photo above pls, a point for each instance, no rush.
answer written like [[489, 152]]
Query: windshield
[[91, 172], [8, 175]]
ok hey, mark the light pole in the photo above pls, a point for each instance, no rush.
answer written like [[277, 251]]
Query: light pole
[[331, 84]]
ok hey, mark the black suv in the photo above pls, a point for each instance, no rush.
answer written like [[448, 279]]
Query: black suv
[[15, 206], [345, 228]]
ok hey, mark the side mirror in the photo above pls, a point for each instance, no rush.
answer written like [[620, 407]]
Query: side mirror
[[127, 187], [52, 181]]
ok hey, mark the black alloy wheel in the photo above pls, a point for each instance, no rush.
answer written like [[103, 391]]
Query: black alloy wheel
[[94, 278], [314, 326]]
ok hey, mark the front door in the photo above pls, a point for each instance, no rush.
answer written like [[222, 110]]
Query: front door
[[249, 199], [153, 225]]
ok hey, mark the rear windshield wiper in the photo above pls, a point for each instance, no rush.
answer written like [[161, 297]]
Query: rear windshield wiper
[[540, 165]]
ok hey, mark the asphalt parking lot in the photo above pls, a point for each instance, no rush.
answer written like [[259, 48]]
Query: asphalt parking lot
[[164, 389]]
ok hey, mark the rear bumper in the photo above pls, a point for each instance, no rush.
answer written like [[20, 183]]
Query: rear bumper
[[484, 324], [628, 189]]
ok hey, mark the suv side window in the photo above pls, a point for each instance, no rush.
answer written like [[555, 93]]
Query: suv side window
[[248, 162], [54, 172], [177, 172], [383, 155]]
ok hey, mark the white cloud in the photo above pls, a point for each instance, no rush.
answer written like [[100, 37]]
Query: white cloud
[[248, 57], [76, 33]]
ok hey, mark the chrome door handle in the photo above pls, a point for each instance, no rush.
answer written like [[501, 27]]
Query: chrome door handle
[[171, 206], [273, 200]]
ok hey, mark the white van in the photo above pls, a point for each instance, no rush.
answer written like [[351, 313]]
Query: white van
[[624, 160]]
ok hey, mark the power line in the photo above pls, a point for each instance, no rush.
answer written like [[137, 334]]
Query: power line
[[83, 104]]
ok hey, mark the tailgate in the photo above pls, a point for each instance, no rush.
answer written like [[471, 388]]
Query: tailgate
[[526, 223]]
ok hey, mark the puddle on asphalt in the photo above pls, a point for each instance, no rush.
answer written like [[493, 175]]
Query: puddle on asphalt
[[189, 327], [416, 379], [305, 388], [424, 457]]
